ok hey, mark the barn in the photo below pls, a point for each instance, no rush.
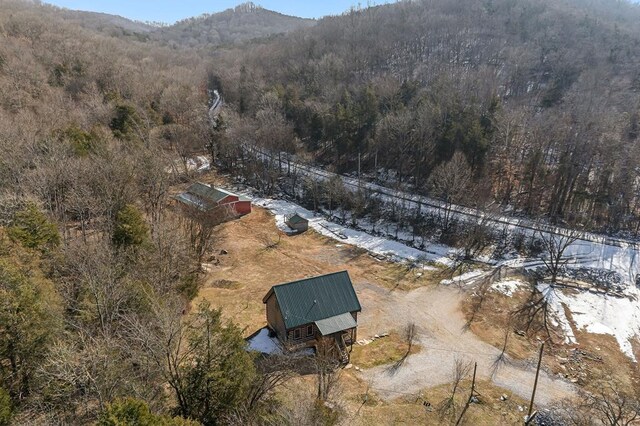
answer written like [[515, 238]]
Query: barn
[[297, 223], [206, 197], [311, 311]]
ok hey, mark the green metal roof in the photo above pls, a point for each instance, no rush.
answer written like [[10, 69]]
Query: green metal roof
[[296, 218], [208, 193], [335, 324], [313, 299], [191, 200]]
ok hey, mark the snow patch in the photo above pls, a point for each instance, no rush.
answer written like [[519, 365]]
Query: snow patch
[[262, 343], [463, 278], [555, 303], [605, 314], [507, 287], [378, 245]]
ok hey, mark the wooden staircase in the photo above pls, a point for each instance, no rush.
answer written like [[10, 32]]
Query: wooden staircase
[[343, 353]]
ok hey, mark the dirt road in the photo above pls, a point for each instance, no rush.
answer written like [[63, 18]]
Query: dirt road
[[443, 337]]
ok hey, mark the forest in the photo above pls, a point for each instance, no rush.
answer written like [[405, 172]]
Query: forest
[[541, 98], [534, 105]]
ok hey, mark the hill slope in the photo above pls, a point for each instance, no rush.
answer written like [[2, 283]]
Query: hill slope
[[541, 98], [244, 22]]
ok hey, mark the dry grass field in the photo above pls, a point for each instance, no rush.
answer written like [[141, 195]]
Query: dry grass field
[[253, 255], [249, 269]]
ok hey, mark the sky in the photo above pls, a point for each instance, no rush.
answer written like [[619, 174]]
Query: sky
[[169, 11]]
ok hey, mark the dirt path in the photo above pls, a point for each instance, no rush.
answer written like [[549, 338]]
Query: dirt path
[[442, 335]]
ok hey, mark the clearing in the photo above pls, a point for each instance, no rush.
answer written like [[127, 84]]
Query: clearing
[[392, 296]]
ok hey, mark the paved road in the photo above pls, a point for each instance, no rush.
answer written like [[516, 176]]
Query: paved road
[[427, 203], [589, 249]]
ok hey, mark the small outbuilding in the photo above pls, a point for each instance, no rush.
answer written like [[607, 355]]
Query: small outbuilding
[[298, 223], [206, 197], [311, 311]]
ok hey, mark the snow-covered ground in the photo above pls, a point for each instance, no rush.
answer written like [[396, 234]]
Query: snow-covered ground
[[590, 250], [555, 304], [262, 343], [598, 313], [508, 287], [467, 277], [392, 249]]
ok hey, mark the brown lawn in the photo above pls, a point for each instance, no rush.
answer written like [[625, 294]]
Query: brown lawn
[[244, 275]]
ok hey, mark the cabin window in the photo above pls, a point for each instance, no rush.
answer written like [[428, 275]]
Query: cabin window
[[309, 330], [296, 334]]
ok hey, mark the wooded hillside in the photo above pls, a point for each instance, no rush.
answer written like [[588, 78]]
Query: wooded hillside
[[541, 97], [532, 105], [244, 22]]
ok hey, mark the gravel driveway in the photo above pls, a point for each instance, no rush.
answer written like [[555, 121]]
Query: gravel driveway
[[442, 335]]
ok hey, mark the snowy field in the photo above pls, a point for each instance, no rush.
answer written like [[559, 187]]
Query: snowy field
[[598, 314]]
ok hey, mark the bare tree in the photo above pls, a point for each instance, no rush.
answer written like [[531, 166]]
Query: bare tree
[[472, 395], [609, 405], [612, 406], [326, 363], [461, 370], [535, 313], [200, 224], [450, 182], [554, 246]]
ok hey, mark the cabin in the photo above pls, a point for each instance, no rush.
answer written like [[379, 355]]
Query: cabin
[[296, 222], [206, 197], [313, 311]]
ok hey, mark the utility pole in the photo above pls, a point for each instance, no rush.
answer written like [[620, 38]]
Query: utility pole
[[359, 182], [531, 415]]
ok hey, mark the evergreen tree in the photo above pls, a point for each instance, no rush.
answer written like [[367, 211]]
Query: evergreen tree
[[6, 410], [130, 227], [33, 230], [211, 377], [133, 412], [30, 317]]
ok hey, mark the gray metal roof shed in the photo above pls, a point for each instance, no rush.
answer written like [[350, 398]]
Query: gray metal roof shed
[[337, 323], [296, 218]]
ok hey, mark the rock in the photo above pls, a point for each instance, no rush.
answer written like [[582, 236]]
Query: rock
[[474, 400], [357, 368], [504, 397], [223, 251], [376, 336], [519, 332], [419, 274], [562, 360], [348, 366], [520, 408], [384, 334]]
